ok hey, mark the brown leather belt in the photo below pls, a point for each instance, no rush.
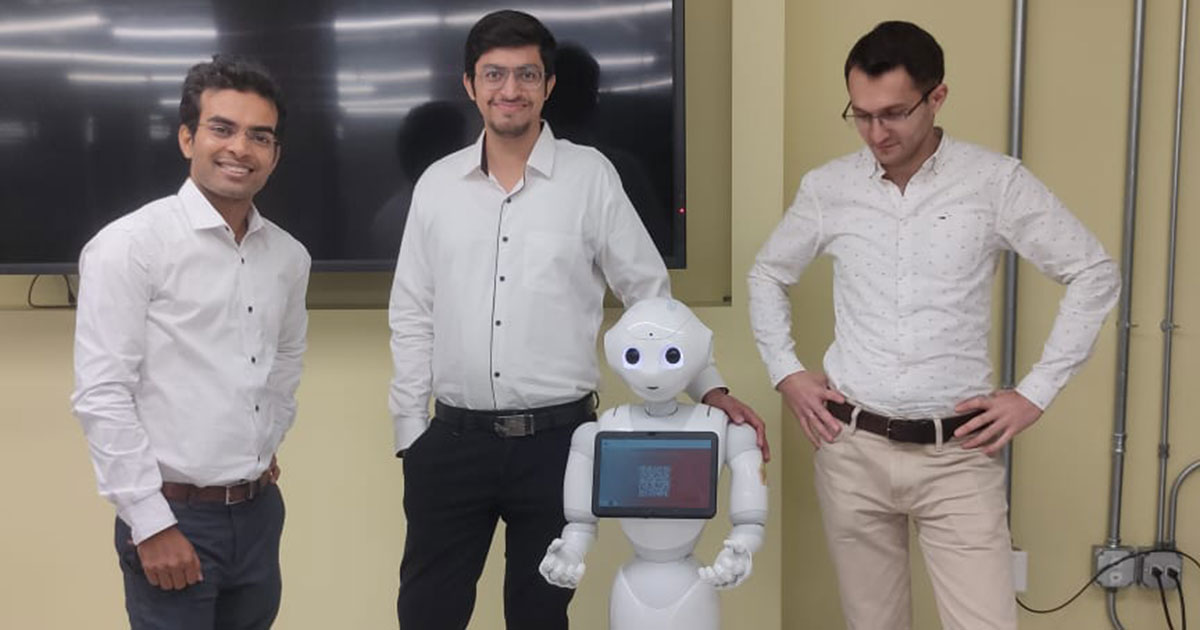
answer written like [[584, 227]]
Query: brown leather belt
[[918, 431], [518, 422], [229, 495]]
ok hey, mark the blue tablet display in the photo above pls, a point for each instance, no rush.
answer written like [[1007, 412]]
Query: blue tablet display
[[655, 474]]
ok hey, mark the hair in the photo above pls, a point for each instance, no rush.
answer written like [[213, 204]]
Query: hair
[[508, 29], [228, 72], [898, 44]]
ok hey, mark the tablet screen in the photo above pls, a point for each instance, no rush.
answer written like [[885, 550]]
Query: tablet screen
[[655, 474]]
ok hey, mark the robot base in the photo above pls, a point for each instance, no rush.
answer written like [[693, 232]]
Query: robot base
[[663, 596]]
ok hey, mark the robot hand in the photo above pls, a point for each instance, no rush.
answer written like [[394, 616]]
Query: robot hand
[[563, 566], [731, 567]]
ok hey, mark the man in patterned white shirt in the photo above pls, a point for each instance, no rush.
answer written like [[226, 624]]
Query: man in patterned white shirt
[[904, 419]]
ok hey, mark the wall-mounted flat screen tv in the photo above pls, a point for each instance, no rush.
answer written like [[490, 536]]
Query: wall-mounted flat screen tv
[[89, 99]]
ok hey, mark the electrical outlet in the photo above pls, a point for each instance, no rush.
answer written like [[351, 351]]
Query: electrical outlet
[[1167, 562], [1020, 565], [1124, 568]]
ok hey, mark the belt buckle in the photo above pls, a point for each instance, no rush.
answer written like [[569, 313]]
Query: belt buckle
[[229, 500], [515, 425]]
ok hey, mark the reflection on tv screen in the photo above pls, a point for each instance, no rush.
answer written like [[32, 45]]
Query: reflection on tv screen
[[89, 120]]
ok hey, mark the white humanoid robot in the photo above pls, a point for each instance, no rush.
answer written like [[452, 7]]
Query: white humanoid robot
[[658, 347]]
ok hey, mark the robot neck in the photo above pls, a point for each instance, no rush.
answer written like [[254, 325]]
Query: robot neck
[[660, 409]]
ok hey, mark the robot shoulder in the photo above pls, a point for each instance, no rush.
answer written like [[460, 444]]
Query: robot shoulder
[[740, 438], [711, 418], [584, 437], [615, 419]]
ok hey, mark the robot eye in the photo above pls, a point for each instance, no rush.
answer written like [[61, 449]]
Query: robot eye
[[632, 356], [672, 356]]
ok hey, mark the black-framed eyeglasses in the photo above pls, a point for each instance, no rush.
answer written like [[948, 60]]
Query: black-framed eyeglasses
[[887, 119]]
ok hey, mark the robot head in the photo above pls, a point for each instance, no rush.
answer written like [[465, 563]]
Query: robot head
[[658, 346]]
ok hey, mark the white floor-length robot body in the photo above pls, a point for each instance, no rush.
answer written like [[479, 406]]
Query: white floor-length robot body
[[658, 347]]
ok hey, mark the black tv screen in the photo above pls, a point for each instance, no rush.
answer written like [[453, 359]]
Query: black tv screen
[[90, 96]]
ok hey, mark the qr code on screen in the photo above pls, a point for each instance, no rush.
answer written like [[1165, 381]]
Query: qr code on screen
[[654, 481]]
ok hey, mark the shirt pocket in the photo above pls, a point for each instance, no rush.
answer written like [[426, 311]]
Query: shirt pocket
[[552, 262], [958, 243]]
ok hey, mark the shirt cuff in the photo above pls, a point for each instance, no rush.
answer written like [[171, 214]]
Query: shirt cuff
[[706, 381], [147, 517], [1038, 390], [407, 431], [783, 366]]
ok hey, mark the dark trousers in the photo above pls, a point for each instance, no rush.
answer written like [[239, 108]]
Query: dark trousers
[[238, 547], [456, 484]]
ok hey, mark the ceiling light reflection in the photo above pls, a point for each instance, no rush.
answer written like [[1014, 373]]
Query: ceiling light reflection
[[51, 25]]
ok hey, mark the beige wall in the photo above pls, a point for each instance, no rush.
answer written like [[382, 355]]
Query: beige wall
[[765, 88], [344, 534]]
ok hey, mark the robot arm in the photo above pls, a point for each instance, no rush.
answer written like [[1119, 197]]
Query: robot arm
[[563, 564], [747, 511]]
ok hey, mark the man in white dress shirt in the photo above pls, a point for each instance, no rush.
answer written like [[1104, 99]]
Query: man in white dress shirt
[[188, 343], [497, 300], [904, 418]]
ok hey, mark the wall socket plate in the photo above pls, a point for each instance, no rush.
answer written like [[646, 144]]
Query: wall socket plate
[[1120, 574], [1164, 560], [1020, 565]]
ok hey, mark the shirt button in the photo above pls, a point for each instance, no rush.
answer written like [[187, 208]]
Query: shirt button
[[504, 239], [255, 408], [243, 260], [253, 360], [508, 200], [501, 278], [497, 322], [250, 309], [496, 374]]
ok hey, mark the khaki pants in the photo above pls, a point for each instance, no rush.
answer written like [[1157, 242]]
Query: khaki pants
[[869, 488]]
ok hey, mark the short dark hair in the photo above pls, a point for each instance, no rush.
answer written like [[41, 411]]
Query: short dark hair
[[508, 29], [899, 44], [228, 72]]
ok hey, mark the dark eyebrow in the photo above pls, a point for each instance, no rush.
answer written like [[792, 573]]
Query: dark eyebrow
[[270, 130]]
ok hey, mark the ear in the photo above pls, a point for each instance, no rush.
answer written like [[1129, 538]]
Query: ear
[[468, 86], [937, 97], [550, 81], [185, 141]]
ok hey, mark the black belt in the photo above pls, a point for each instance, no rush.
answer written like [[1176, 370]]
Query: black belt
[[919, 431], [518, 422]]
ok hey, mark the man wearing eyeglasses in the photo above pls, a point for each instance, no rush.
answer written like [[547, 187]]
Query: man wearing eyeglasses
[[188, 343], [495, 307], [904, 419]]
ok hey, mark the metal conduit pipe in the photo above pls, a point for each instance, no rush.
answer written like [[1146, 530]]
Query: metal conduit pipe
[[1168, 323], [1117, 479], [1123, 323], [1169, 540], [1016, 124], [1112, 610]]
